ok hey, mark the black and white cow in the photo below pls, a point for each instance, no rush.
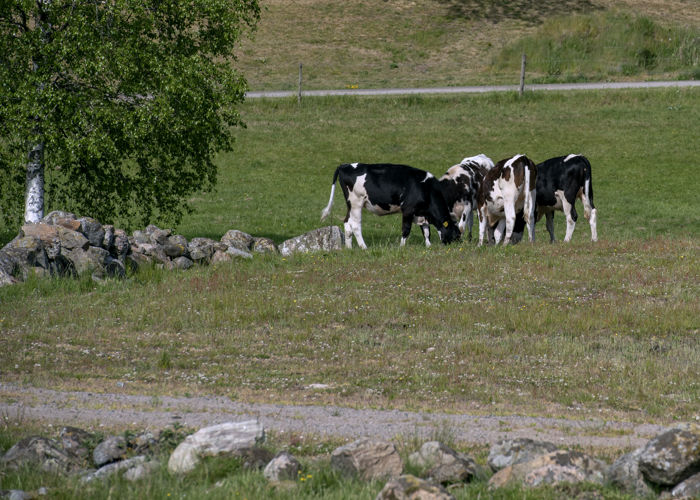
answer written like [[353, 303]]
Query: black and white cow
[[560, 181], [385, 188], [507, 189], [459, 187]]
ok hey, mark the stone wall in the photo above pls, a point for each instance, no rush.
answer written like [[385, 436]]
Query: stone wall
[[63, 244]]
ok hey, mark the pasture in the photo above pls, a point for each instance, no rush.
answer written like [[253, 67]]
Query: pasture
[[607, 329]]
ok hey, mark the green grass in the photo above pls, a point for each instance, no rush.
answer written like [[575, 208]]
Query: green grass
[[468, 42], [608, 327], [602, 46]]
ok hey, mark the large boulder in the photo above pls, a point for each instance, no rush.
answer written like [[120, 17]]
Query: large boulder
[[323, 239], [672, 456], [690, 488], [624, 473], [229, 439], [515, 451], [113, 468], [443, 463], [368, 459], [202, 249], [61, 218], [408, 487], [264, 245], [175, 246], [40, 452], [26, 252], [87, 261], [557, 467], [76, 441]]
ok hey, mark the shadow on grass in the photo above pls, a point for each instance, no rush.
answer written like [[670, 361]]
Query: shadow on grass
[[531, 11]]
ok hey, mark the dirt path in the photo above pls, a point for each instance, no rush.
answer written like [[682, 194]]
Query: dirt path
[[146, 412]]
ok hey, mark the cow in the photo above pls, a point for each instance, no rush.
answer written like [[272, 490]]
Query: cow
[[385, 188], [508, 188], [459, 187], [560, 181]]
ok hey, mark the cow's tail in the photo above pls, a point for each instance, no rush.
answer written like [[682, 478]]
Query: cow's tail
[[327, 211]]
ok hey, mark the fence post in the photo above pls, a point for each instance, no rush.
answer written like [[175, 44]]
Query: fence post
[[299, 94], [522, 75]]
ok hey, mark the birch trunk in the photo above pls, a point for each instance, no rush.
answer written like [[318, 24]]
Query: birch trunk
[[34, 196]]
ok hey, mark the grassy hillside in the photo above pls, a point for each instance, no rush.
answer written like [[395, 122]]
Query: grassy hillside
[[399, 43]]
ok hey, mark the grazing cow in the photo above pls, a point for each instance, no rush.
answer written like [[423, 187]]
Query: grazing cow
[[387, 189], [459, 187], [507, 188], [560, 181]]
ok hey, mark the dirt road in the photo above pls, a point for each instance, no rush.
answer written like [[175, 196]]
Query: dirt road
[[147, 412]]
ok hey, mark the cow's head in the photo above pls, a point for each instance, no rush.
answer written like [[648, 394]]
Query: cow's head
[[449, 232]]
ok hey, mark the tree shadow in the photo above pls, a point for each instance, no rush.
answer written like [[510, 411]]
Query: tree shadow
[[531, 11]]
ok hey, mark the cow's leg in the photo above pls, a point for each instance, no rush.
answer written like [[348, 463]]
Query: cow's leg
[[468, 216], [496, 232], [483, 224], [426, 233], [509, 209], [354, 227], [550, 225], [589, 213], [571, 216], [406, 223], [529, 214]]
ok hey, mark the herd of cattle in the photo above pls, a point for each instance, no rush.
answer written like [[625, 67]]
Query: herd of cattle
[[508, 196]]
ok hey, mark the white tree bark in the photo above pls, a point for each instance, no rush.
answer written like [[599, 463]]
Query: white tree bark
[[34, 196]]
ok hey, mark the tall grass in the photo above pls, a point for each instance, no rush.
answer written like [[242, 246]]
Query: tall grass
[[604, 45]]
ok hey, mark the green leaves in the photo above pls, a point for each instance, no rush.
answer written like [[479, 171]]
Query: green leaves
[[132, 99]]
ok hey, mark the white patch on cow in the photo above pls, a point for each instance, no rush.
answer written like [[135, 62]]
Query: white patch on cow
[[570, 222], [377, 210], [354, 165], [571, 157], [589, 212], [559, 196], [428, 175], [510, 162], [356, 198], [480, 159]]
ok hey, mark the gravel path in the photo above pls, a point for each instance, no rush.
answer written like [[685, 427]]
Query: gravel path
[[146, 412], [474, 89]]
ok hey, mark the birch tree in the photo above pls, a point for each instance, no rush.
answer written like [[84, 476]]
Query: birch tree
[[116, 108]]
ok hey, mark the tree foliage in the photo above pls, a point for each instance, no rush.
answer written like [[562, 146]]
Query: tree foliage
[[130, 98]]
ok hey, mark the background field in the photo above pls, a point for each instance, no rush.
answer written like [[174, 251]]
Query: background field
[[401, 43], [581, 329]]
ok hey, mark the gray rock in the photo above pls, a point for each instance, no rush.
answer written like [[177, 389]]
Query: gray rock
[[445, 465], [624, 473], [514, 451], [75, 441], [202, 249], [41, 452], [141, 471], [92, 230], [236, 253], [368, 459], [408, 487], [182, 263], [557, 467], [120, 247], [264, 245], [158, 236], [16, 495], [87, 261], [230, 439], [26, 252], [175, 246], [7, 263], [6, 279], [108, 240], [109, 450], [237, 239], [114, 468], [61, 218], [283, 467], [47, 234], [672, 456], [141, 237], [690, 488], [323, 239], [220, 257]]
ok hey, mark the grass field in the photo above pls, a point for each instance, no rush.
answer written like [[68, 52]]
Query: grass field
[[464, 42], [581, 329]]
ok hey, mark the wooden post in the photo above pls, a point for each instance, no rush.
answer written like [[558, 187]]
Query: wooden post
[[299, 94], [522, 75]]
